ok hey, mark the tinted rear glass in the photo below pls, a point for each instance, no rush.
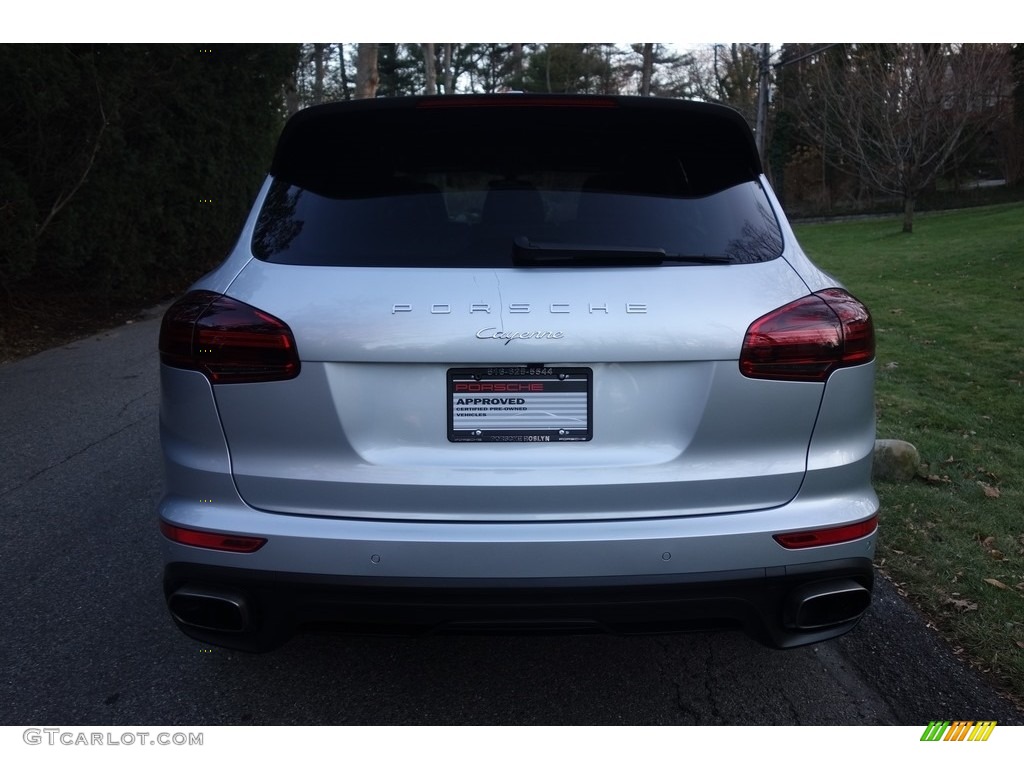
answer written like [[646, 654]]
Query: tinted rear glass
[[457, 187]]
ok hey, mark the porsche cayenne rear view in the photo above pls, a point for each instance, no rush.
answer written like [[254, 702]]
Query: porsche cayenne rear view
[[516, 362]]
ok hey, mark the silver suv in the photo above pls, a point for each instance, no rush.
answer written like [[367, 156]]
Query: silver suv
[[517, 362]]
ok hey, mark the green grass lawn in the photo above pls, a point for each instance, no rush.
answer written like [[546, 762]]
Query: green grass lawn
[[948, 306]]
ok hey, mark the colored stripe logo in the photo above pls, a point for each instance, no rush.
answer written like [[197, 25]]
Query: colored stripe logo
[[958, 730]]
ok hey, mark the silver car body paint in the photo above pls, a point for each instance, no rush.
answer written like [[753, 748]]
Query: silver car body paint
[[682, 434]]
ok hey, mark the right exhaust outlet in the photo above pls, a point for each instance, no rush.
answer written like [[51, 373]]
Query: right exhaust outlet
[[826, 604]]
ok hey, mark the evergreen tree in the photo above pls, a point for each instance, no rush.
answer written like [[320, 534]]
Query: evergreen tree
[[130, 167]]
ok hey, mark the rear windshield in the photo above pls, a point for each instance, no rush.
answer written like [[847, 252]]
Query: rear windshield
[[460, 188]]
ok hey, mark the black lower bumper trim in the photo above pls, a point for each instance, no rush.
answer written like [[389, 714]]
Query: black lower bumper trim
[[755, 601]]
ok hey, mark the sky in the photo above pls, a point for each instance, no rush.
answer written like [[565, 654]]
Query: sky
[[473, 21]]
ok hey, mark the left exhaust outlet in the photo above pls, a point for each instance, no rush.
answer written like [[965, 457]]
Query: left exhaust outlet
[[210, 609]]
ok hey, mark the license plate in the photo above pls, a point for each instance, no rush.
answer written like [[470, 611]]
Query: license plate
[[520, 404]]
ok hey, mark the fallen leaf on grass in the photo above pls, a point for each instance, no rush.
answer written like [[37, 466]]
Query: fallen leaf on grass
[[937, 479], [1018, 643], [996, 583], [962, 605], [990, 491], [989, 544]]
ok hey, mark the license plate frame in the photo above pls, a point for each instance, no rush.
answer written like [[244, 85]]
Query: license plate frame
[[520, 404]]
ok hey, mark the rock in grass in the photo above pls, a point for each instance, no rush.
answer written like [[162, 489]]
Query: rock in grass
[[895, 461]]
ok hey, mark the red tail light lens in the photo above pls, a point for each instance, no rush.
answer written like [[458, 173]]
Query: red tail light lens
[[824, 536], [227, 341], [809, 338], [223, 542]]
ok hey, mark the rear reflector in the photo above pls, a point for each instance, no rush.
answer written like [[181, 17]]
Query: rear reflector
[[808, 339], [227, 341], [824, 536], [223, 542]]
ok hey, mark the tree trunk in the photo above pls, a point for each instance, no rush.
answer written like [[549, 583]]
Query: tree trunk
[[908, 213], [319, 52], [446, 63], [517, 66], [367, 76], [291, 95], [647, 72], [345, 94], [547, 66], [430, 69]]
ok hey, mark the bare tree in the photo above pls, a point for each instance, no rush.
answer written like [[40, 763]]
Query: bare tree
[[367, 76], [65, 195], [723, 73], [737, 77], [896, 113]]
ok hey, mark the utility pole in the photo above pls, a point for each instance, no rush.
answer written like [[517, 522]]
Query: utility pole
[[762, 98]]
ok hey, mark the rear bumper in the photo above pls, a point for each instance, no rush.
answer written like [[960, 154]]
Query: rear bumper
[[782, 607]]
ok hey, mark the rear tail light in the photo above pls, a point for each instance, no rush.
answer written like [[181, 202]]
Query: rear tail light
[[227, 341], [223, 542], [823, 536], [809, 338]]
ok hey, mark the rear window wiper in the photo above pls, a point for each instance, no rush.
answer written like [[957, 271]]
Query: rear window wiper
[[530, 253]]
